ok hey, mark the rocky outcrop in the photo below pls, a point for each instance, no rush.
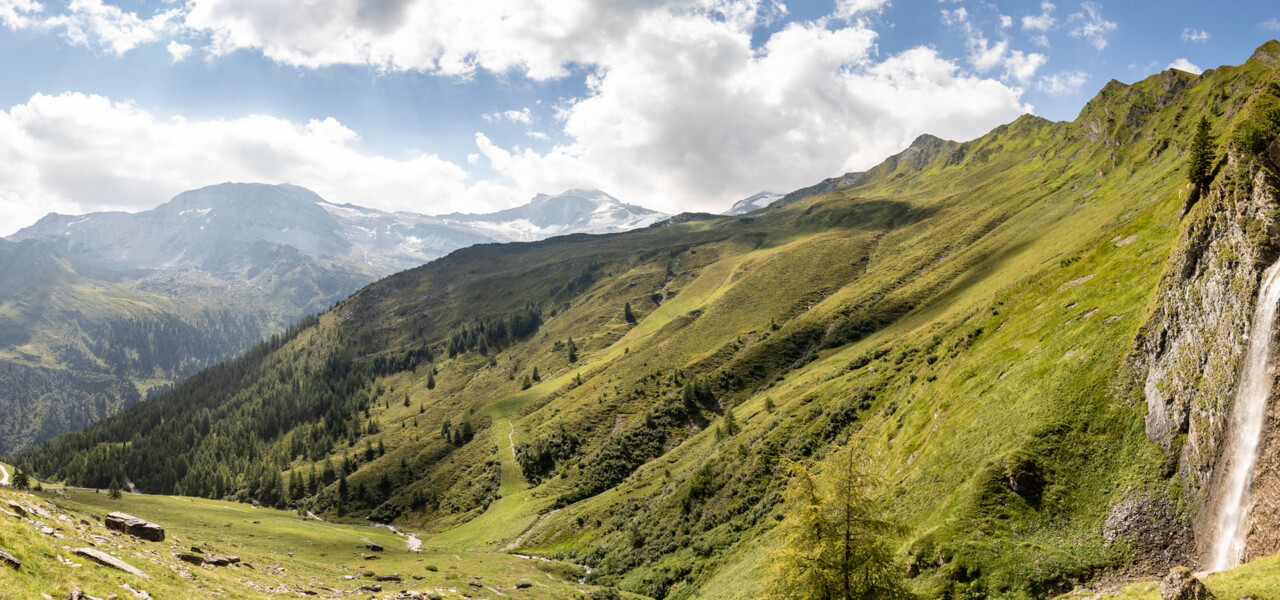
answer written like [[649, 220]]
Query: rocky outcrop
[[134, 526], [107, 560], [10, 560], [1187, 357], [1148, 521], [1180, 584]]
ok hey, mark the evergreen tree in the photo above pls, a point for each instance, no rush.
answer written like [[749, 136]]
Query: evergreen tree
[[834, 538], [573, 350], [20, 479], [1200, 162], [536, 376], [113, 490], [768, 404], [406, 400], [627, 314], [381, 449], [526, 383], [431, 379]]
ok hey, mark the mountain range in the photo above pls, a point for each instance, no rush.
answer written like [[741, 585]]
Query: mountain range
[[98, 310], [1026, 344]]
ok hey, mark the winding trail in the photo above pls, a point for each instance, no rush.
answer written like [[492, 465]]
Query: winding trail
[[4, 480], [520, 538], [511, 437]]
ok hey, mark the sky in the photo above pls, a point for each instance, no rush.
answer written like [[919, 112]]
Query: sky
[[436, 106]]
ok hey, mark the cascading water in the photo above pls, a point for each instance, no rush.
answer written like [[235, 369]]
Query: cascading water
[[1248, 413]]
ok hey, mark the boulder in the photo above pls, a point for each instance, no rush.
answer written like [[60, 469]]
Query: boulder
[[387, 578], [135, 527], [1180, 584], [217, 561], [523, 584], [371, 588], [107, 560], [374, 547], [191, 558]]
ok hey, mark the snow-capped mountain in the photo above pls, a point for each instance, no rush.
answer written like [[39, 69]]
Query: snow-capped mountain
[[574, 211], [225, 227], [753, 202]]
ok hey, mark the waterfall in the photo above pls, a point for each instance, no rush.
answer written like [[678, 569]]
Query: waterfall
[[1244, 433]]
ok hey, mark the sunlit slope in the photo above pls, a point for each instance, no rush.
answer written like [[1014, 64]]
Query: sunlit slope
[[961, 312]]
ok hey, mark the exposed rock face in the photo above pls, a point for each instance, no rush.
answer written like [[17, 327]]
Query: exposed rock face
[[1179, 584], [1187, 357], [1149, 521], [134, 526], [107, 560]]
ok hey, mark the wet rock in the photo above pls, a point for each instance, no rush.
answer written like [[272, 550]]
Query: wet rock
[[107, 560], [1149, 521], [1180, 584], [135, 527]]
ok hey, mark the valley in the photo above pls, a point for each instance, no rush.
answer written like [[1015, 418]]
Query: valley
[[1021, 348]]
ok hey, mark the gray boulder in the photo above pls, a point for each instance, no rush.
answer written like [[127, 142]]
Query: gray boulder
[[1180, 584]]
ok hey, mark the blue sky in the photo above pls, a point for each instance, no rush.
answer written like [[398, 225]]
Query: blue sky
[[436, 106]]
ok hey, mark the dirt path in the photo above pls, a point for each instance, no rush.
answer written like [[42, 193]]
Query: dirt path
[[511, 437], [520, 538], [5, 479]]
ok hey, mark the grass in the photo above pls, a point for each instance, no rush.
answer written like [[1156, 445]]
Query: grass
[[285, 551]]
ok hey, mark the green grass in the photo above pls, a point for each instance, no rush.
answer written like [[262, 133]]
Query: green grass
[[283, 549]]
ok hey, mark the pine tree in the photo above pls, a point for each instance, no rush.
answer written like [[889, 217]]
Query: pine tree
[[526, 383], [20, 479], [768, 404], [113, 490], [573, 350], [406, 400], [536, 376], [431, 379], [1200, 163], [627, 314], [834, 539]]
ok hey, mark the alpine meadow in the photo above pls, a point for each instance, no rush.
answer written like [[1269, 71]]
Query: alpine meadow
[[1035, 364]]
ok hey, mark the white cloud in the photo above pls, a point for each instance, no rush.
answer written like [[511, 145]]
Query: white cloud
[[685, 115], [1042, 22], [848, 9], [1006, 21], [17, 14], [985, 55], [1195, 35], [1273, 24], [91, 23], [75, 153], [1065, 83], [515, 116], [1090, 25], [179, 52], [1183, 64]]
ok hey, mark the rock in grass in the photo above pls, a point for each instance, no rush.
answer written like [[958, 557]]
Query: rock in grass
[[374, 547], [10, 559], [135, 527], [523, 583], [1180, 584], [107, 560], [191, 558], [387, 578]]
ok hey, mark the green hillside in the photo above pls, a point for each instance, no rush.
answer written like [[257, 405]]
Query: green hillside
[[78, 343], [967, 318]]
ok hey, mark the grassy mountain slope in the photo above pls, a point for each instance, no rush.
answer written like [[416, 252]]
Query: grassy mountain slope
[[959, 315], [77, 344]]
